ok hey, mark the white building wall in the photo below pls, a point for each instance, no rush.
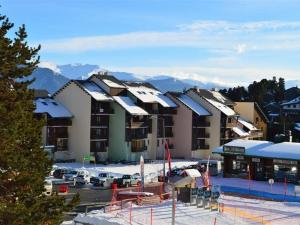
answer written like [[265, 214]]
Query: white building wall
[[214, 130], [79, 104]]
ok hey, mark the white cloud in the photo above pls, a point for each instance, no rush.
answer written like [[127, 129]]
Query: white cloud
[[224, 76], [210, 35], [49, 65]]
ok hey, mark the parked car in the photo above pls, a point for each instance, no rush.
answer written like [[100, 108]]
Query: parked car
[[59, 173], [83, 177], [70, 175], [48, 187], [128, 180], [103, 179]]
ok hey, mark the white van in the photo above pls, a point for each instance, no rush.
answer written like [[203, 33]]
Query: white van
[[215, 166]]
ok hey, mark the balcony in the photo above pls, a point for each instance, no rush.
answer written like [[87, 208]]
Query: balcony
[[99, 133], [62, 144], [201, 135], [138, 149], [96, 110], [201, 123], [135, 134], [167, 111], [200, 146], [99, 121], [256, 134], [169, 134]]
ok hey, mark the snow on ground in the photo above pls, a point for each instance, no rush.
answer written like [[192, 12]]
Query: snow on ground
[[260, 211], [277, 187], [151, 169], [237, 210], [162, 215]]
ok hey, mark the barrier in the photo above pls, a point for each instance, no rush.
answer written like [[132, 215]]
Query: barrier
[[260, 194]]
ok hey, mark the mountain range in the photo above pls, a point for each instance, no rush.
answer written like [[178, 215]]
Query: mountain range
[[53, 77]]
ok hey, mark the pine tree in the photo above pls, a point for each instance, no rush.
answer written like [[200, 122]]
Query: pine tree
[[23, 164]]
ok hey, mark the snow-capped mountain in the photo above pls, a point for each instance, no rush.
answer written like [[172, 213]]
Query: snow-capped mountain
[[52, 77], [47, 79]]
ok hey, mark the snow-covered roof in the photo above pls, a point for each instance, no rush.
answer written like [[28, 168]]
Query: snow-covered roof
[[192, 172], [194, 106], [95, 91], [112, 84], [297, 126], [265, 149], [285, 150], [149, 95], [53, 108], [293, 101], [219, 96], [240, 132], [247, 124], [223, 108], [129, 105], [165, 101]]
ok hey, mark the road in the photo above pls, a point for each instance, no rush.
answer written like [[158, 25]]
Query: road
[[92, 198]]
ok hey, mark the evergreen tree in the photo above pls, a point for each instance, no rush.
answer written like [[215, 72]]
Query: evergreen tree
[[23, 164]]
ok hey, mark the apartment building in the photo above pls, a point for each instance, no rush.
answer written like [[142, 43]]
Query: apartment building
[[91, 108], [142, 119], [253, 114], [191, 130], [55, 133], [122, 120]]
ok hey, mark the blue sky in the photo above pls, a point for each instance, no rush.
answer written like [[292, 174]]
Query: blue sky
[[230, 42]]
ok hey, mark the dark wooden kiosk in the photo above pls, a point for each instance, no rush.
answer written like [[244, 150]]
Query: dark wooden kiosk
[[261, 160]]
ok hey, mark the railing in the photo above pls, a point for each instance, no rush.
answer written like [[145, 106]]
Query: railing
[[201, 124], [96, 110], [138, 149], [196, 147], [206, 135], [138, 133]]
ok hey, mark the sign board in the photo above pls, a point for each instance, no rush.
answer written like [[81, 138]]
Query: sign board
[[215, 194], [200, 192], [207, 194], [233, 149], [194, 191], [256, 160], [286, 162], [271, 181], [240, 157], [87, 157]]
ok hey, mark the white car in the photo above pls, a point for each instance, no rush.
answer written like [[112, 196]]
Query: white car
[[83, 177], [105, 179], [48, 187]]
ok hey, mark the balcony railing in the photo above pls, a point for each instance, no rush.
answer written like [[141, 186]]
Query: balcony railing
[[201, 123], [135, 134], [138, 149], [167, 111], [201, 135], [169, 134], [200, 146], [96, 110]]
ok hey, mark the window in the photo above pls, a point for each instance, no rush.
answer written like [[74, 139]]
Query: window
[[99, 146]]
